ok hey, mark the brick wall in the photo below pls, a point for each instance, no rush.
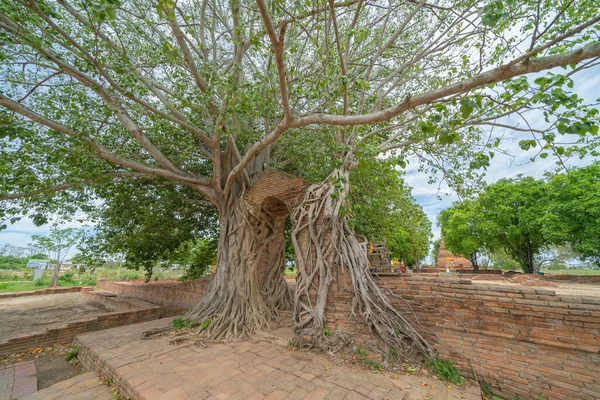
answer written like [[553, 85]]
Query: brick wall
[[524, 342], [40, 292], [278, 185], [177, 295], [65, 334], [592, 279]]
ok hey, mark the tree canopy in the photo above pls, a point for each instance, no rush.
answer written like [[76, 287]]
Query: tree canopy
[[573, 213], [523, 217], [56, 245], [463, 230], [104, 91]]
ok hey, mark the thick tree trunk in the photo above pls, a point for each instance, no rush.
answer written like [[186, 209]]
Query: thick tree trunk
[[327, 250], [55, 274], [237, 303]]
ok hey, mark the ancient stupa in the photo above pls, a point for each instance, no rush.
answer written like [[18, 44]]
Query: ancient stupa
[[445, 258]]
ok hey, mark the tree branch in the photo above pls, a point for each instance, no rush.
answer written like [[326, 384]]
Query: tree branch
[[103, 152], [278, 45], [502, 73], [67, 186]]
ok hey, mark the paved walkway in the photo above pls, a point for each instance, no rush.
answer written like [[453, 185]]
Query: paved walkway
[[86, 386], [154, 369], [17, 380]]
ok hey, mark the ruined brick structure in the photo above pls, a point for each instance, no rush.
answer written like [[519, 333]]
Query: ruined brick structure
[[446, 258], [278, 193], [524, 342]]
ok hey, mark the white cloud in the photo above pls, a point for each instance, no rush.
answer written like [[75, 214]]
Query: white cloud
[[19, 234]]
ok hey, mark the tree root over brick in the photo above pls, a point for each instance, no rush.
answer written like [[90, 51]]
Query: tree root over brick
[[325, 244]]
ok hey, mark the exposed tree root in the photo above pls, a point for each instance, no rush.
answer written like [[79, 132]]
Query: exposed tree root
[[325, 245], [239, 301]]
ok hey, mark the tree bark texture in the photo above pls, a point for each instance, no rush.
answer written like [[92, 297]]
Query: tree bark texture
[[336, 298], [245, 294], [329, 257]]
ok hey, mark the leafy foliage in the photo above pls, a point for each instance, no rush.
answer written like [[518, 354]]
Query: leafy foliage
[[179, 323], [197, 257], [148, 225], [573, 212], [72, 354], [518, 220], [383, 209], [463, 230], [446, 370]]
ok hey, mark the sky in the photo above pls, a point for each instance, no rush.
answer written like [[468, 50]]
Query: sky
[[432, 197]]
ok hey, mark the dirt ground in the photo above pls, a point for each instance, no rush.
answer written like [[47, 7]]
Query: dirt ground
[[34, 314], [53, 368]]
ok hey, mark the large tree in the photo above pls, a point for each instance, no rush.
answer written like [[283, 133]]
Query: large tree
[[573, 212], [198, 93], [513, 210], [464, 230]]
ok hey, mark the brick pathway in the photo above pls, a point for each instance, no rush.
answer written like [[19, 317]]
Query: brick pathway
[[86, 386], [154, 369], [17, 380]]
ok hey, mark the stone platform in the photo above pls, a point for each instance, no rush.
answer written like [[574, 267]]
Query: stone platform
[[154, 369], [17, 380], [88, 386]]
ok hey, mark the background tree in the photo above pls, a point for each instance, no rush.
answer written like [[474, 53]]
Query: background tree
[[410, 235], [573, 211], [56, 245], [198, 94], [463, 230], [197, 257], [435, 251], [383, 210], [513, 211], [148, 225]]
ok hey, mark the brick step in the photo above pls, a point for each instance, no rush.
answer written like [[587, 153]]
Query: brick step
[[85, 386]]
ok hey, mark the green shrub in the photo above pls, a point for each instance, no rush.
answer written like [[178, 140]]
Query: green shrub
[[88, 281], [67, 277], [72, 354], [179, 323], [42, 282], [130, 275], [446, 370], [205, 324]]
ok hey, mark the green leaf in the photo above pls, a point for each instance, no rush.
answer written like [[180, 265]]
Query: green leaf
[[465, 111]]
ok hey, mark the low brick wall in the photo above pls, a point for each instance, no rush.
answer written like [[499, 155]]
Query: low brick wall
[[173, 294], [431, 270], [41, 292], [524, 342], [66, 334], [591, 279]]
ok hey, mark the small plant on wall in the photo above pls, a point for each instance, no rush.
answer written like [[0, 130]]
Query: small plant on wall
[[446, 370]]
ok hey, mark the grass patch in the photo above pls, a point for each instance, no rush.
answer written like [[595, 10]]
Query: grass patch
[[72, 354], [573, 271]]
